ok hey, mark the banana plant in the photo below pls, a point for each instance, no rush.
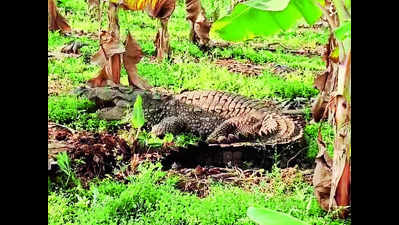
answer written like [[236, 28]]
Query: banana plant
[[160, 9], [112, 53], [266, 17], [200, 26]]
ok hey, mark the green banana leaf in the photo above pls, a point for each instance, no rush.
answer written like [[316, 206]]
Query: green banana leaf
[[270, 217], [344, 31], [264, 17]]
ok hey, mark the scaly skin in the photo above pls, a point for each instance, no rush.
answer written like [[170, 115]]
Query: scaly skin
[[218, 117]]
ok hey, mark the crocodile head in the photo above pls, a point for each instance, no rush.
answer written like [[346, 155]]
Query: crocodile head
[[114, 101]]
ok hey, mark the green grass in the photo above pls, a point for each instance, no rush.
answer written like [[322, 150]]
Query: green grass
[[76, 113], [151, 197], [206, 76], [311, 134]]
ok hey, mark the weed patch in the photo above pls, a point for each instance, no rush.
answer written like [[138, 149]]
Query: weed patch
[[203, 76], [77, 113], [150, 197], [311, 133]]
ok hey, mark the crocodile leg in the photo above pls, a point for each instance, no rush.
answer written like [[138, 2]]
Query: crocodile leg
[[238, 129], [227, 132], [172, 124]]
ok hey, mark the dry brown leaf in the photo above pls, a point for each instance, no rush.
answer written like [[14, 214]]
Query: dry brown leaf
[[99, 81], [162, 41], [200, 26], [320, 81], [131, 57], [326, 83], [94, 8], [109, 58], [343, 192], [134, 162], [318, 108], [55, 20], [163, 9], [340, 184], [133, 51], [322, 175], [113, 25]]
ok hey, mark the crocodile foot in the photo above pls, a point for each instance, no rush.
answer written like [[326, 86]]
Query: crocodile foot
[[231, 138], [172, 124]]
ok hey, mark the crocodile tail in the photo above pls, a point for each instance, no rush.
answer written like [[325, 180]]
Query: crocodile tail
[[281, 129]]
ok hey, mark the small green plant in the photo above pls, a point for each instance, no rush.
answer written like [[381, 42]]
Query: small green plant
[[138, 119], [181, 140], [64, 163], [184, 140]]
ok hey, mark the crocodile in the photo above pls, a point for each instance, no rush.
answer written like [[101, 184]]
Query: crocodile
[[217, 117]]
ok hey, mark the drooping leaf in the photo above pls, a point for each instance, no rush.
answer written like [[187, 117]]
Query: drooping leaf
[[55, 20], [200, 26], [344, 31], [262, 18], [109, 46], [109, 58], [163, 9], [322, 175], [94, 9], [131, 57], [270, 217], [138, 119], [162, 41], [113, 20]]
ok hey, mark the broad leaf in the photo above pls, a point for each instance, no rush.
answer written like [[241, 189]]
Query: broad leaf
[[271, 5], [348, 4], [344, 31], [270, 217], [131, 57], [262, 18], [138, 115]]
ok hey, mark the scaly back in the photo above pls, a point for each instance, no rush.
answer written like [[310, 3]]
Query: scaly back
[[261, 118]]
